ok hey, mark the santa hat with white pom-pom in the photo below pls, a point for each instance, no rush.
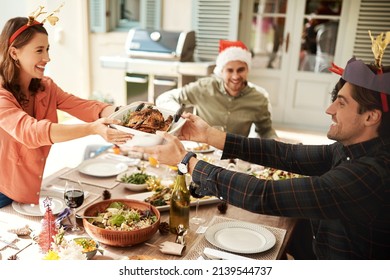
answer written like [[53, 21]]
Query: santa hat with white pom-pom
[[231, 51]]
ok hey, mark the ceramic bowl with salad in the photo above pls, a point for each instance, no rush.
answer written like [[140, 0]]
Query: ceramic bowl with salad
[[121, 222], [90, 246], [135, 180]]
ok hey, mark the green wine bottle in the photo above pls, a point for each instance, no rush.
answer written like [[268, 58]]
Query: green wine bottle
[[179, 213]]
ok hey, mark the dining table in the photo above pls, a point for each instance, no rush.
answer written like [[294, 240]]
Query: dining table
[[98, 188]]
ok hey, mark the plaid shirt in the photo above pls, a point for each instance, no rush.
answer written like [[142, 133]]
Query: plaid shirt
[[346, 194]]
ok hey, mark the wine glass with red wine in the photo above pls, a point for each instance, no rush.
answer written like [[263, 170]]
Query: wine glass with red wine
[[74, 198], [193, 187]]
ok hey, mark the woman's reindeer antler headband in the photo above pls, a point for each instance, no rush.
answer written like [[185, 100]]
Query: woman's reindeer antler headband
[[32, 20], [358, 73]]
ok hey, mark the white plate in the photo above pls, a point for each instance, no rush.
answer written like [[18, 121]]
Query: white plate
[[194, 147], [101, 167], [143, 196], [57, 204], [240, 237], [140, 138]]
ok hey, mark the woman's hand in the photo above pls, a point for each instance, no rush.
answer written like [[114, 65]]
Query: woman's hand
[[115, 136]]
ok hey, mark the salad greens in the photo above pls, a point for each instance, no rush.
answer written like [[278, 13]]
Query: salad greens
[[118, 216], [135, 178]]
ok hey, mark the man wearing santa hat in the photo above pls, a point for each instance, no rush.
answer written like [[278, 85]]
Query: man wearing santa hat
[[227, 99]]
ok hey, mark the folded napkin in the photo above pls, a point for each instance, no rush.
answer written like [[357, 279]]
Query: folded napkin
[[172, 248], [63, 219], [20, 230]]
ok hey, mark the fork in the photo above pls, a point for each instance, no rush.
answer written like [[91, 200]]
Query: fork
[[10, 244], [85, 217], [15, 256]]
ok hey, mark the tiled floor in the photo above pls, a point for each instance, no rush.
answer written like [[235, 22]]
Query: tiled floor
[[71, 153]]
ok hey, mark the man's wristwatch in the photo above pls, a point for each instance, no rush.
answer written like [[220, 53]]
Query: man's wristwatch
[[183, 165]]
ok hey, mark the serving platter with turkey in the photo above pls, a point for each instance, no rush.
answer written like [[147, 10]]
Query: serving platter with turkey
[[143, 122]]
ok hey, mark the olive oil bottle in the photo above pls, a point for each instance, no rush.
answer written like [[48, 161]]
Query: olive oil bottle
[[180, 204]]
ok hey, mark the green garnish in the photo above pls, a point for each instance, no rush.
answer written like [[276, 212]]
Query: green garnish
[[135, 178]]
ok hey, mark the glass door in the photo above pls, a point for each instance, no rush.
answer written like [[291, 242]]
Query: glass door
[[319, 34], [293, 44], [267, 33]]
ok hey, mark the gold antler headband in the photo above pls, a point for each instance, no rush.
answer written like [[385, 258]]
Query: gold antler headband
[[378, 49], [378, 46], [32, 20]]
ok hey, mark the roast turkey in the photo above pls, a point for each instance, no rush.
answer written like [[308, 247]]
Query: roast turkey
[[148, 120]]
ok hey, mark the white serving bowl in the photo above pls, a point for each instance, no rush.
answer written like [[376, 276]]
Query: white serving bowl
[[145, 139], [131, 186]]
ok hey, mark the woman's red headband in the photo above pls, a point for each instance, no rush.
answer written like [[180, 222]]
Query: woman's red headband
[[21, 29]]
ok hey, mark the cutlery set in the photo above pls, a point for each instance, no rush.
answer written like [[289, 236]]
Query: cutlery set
[[12, 245]]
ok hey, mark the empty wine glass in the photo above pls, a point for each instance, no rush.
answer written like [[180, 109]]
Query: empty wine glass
[[74, 197], [196, 219]]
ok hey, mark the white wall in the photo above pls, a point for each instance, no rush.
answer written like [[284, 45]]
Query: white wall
[[108, 81], [69, 47], [10, 9], [177, 15]]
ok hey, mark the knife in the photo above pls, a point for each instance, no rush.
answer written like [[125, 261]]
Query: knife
[[220, 255], [178, 113]]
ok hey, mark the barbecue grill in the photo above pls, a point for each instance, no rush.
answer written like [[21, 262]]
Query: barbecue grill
[[159, 60], [159, 44]]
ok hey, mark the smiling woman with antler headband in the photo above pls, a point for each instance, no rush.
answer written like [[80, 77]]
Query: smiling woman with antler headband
[[28, 109], [345, 191]]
